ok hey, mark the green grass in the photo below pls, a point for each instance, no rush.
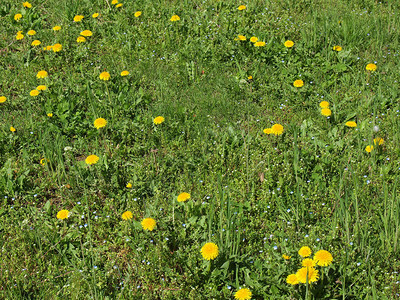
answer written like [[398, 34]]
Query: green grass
[[256, 196]]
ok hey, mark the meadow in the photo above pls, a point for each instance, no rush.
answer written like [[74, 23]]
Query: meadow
[[199, 149]]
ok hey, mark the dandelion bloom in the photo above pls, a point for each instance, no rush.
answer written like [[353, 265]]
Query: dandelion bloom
[[78, 18], [277, 129], [292, 279], [42, 74], [308, 262], [253, 39], [158, 120], [34, 93], [242, 7], [129, 185], [31, 32], [57, 47], [148, 224], [104, 76], [81, 39], [48, 48], [259, 44], [138, 14], [19, 35], [50, 115], [267, 130], [209, 251], [127, 215], [183, 197], [337, 48], [27, 4], [305, 251], [113, 2], [371, 67], [86, 33], [378, 141], [12, 129], [323, 258], [351, 124], [326, 112], [312, 275], [92, 159], [243, 294], [3, 99], [100, 122], [36, 43], [287, 257], [289, 44], [119, 5], [62, 214], [43, 161], [57, 28], [41, 88], [298, 83], [95, 15], [124, 73], [324, 104], [17, 17], [369, 148], [175, 18], [250, 77], [240, 38]]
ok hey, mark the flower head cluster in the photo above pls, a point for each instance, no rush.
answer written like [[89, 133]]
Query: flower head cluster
[[209, 251], [148, 224], [289, 44], [62, 214], [127, 215], [371, 67], [100, 123], [337, 48], [104, 76], [183, 197], [92, 159], [243, 294], [175, 18], [298, 83], [158, 120]]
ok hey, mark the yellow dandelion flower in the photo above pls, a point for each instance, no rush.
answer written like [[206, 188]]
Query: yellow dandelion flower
[[62, 214], [100, 123], [289, 44], [48, 48], [250, 77], [129, 185], [242, 7], [267, 130], [292, 279], [44, 161], [323, 258], [50, 115], [371, 67], [287, 257], [369, 148], [138, 14], [253, 39], [57, 47], [34, 93], [19, 36], [119, 5], [92, 159], [324, 104], [31, 32], [113, 2], [308, 262], [12, 129], [305, 251], [42, 74], [243, 294], [240, 38], [104, 76], [298, 83], [183, 197], [209, 251], [277, 129], [78, 18], [148, 224], [3, 99], [127, 215], [17, 17], [378, 141], [41, 88], [36, 43], [124, 73], [175, 18], [27, 5], [158, 120], [86, 33], [337, 48], [95, 15], [351, 124], [259, 44], [326, 112], [81, 39], [57, 28], [312, 275]]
